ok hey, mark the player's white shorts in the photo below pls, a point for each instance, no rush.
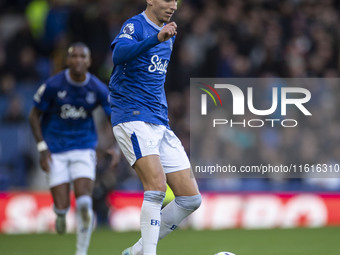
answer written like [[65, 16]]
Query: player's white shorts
[[70, 165], [139, 139]]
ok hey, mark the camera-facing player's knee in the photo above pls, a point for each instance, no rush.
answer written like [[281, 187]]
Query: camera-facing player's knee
[[190, 203]]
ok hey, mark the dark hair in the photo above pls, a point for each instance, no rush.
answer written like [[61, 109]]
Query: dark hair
[[78, 44]]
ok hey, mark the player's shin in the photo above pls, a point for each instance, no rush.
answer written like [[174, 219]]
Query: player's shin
[[171, 216], [150, 220], [60, 223], [84, 215], [176, 211]]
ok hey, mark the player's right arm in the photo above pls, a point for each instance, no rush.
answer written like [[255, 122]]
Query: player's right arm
[[41, 102], [45, 155], [168, 31], [130, 44]]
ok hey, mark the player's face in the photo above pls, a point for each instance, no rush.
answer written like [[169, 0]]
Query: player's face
[[78, 60], [162, 10]]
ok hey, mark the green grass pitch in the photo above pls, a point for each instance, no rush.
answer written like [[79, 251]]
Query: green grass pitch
[[303, 241]]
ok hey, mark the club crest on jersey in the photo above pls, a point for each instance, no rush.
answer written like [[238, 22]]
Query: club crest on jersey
[[62, 94], [71, 112], [90, 97], [158, 65]]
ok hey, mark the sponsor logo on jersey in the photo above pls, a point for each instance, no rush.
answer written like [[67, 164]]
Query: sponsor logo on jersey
[[62, 94], [158, 65], [71, 112], [90, 97]]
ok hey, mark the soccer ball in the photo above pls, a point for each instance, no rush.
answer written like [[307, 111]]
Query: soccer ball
[[224, 253]]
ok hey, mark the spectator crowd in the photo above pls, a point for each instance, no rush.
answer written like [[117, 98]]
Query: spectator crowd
[[216, 38]]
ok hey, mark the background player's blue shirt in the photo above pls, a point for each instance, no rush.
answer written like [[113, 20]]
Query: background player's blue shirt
[[67, 122], [137, 80]]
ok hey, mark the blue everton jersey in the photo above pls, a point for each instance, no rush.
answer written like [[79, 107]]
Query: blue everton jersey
[[137, 84], [67, 122]]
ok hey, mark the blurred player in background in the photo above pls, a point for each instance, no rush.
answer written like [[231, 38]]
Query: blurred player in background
[[141, 53], [62, 124]]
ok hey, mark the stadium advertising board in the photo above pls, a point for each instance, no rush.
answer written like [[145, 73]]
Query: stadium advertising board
[[31, 212]]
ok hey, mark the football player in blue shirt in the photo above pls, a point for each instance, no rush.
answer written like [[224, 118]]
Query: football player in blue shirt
[[62, 124], [141, 53]]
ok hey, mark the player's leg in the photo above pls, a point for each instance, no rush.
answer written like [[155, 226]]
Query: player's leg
[[58, 179], [82, 169], [187, 200], [61, 199], [139, 142], [83, 188], [150, 172], [180, 179]]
